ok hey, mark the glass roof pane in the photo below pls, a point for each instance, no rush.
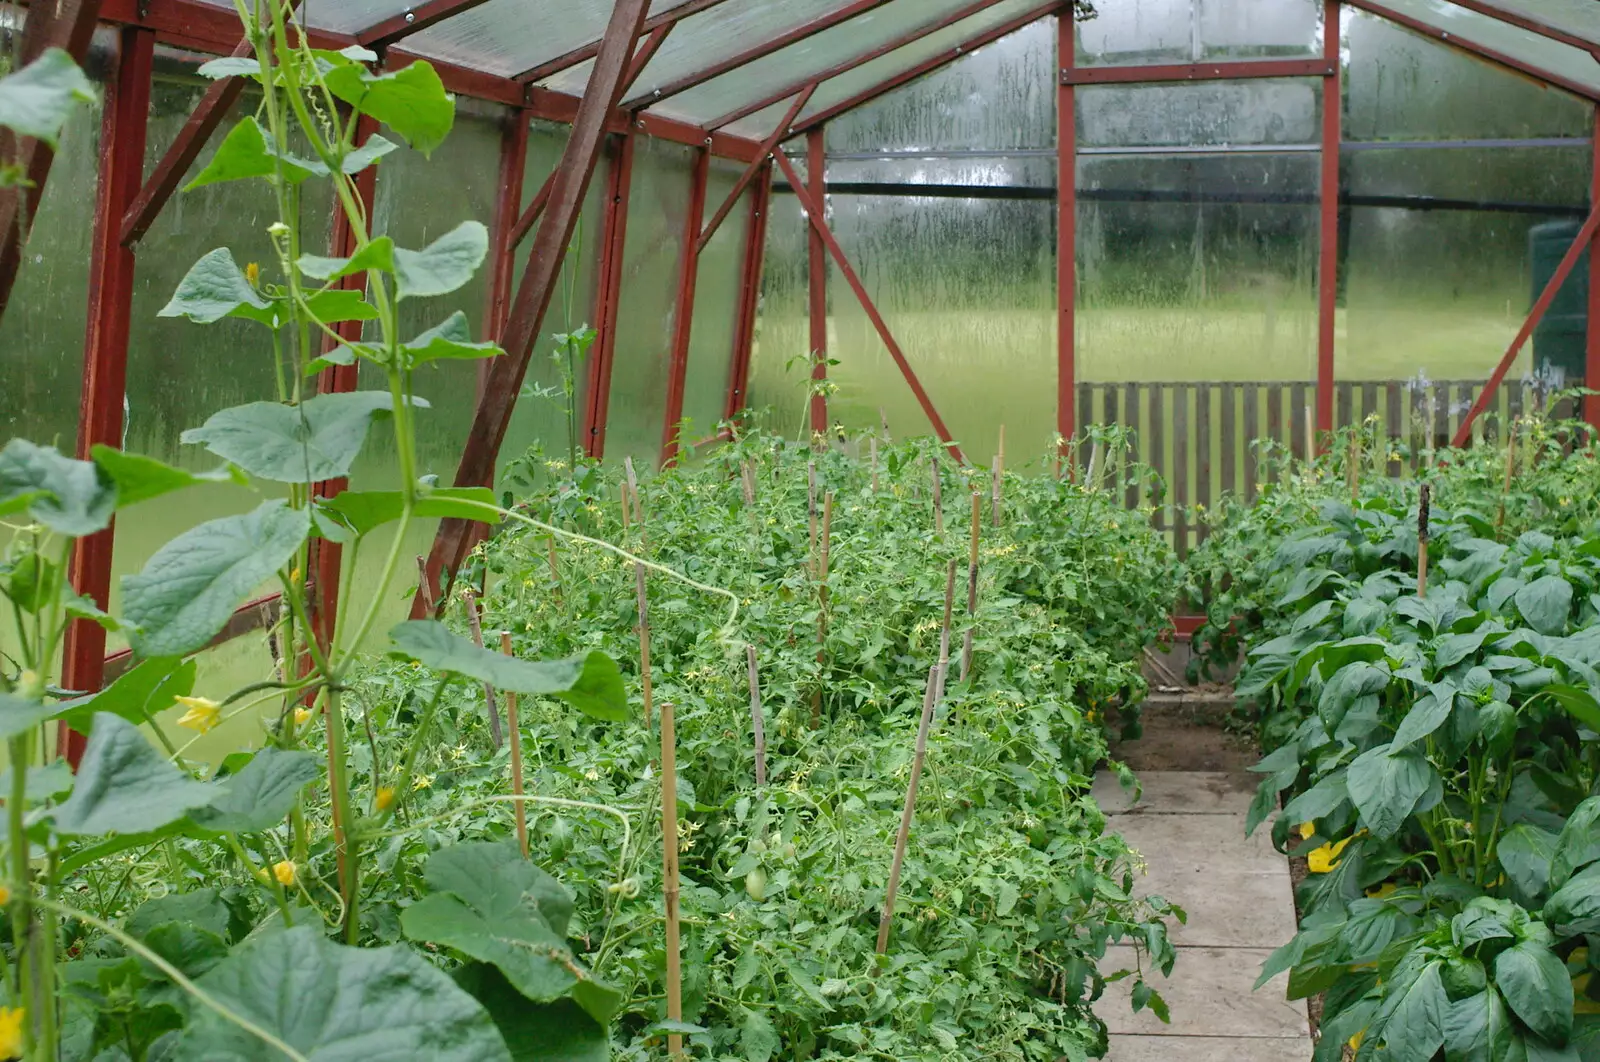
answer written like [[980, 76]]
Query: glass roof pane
[[508, 37], [790, 66], [840, 89], [1134, 32], [1581, 18], [1541, 53], [343, 16], [701, 40]]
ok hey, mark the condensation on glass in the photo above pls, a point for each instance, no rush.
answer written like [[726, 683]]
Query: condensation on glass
[[1142, 32]]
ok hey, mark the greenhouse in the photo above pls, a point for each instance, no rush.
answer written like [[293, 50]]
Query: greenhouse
[[921, 530]]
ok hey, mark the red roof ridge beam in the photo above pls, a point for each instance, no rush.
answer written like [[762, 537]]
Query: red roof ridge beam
[[551, 67], [1531, 24], [1580, 247], [398, 27], [927, 66], [498, 398], [778, 135], [909, 37], [1455, 40], [814, 213], [799, 33]]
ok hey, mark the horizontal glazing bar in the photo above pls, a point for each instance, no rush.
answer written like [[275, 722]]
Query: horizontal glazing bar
[[1348, 145]]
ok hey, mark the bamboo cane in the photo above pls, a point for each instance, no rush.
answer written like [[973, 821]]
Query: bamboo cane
[[972, 586], [949, 612], [513, 724], [475, 624], [811, 517], [758, 722], [938, 494], [886, 920], [627, 507], [748, 476], [872, 446], [1091, 479], [1422, 541], [883, 422], [669, 861], [644, 641], [1311, 434], [1353, 469], [425, 585]]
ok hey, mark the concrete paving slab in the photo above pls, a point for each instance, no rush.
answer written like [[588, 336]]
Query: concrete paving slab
[[1199, 843], [1226, 909], [1209, 1049], [1209, 994], [1178, 793]]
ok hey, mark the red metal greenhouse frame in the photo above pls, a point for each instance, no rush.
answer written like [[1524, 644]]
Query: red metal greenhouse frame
[[609, 117]]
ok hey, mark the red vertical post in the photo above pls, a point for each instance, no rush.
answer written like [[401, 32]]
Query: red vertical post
[[326, 555], [507, 211], [744, 333], [1328, 267], [1066, 229], [612, 248], [817, 178], [105, 354], [1591, 403], [683, 318]]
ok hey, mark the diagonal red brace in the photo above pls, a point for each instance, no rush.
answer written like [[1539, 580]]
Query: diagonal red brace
[[1579, 248], [755, 167], [813, 209]]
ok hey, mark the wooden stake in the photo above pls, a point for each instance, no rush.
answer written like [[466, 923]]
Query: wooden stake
[[972, 584], [1511, 467], [872, 446], [811, 516], [996, 489], [425, 585], [1311, 435], [883, 421], [669, 863], [633, 489], [949, 612], [1091, 479], [555, 572], [758, 720], [513, 725], [1353, 469], [1422, 541], [938, 495], [748, 475], [1001, 451], [476, 626], [822, 602], [627, 507], [644, 642], [886, 920]]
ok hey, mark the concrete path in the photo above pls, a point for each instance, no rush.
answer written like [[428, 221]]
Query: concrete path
[[1189, 827]]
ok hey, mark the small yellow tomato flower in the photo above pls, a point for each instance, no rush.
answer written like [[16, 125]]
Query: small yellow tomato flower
[[385, 797], [252, 273], [284, 872], [11, 1019], [203, 714], [423, 781], [5, 895], [302, 716], [1324, 859], [1308, 830]]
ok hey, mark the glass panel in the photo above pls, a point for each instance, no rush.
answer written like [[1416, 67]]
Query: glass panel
[[1270, 112], [1143, 32], [1539, 53], [180, 373], [799, 62], [1578, 17], [716, 305], [651, 262], [343, 16], [967, 287], [1404, 86], [540, 421], [710, 37], [41, 334], [776, 394], [1436, 275], [1197, 268], [1001, 97], [507, 37], [869, 75]]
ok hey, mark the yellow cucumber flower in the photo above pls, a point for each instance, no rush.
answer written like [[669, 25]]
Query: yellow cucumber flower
[[11, 1019], [1308, 830], [203, 714], [284, 872], [302, 716], [385, 797]]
